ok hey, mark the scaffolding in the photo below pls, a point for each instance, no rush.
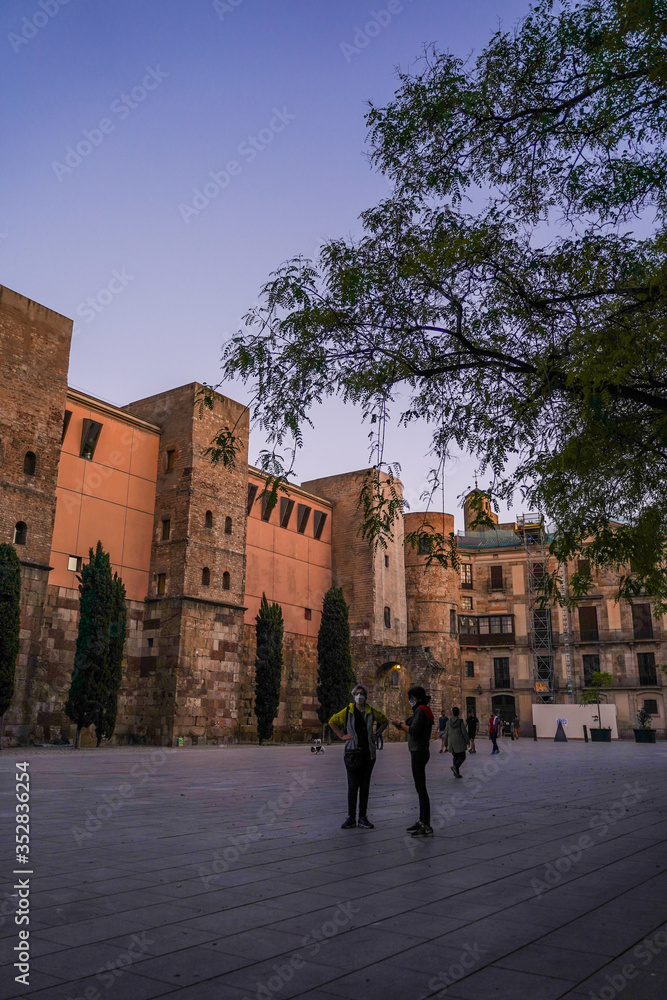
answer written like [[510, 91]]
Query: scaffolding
[[531, 530]]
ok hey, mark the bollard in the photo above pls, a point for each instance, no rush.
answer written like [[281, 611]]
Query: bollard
[[535, 733], [585, 734]]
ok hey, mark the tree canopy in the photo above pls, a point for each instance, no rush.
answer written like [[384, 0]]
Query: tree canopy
[[511, 291]]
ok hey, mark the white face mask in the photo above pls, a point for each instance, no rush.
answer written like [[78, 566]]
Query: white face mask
[[412, 702], [360, 699]]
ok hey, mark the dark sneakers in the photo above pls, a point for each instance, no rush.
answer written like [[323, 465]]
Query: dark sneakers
[[365, 823], [423, 830], [414, 827], [348, 824]]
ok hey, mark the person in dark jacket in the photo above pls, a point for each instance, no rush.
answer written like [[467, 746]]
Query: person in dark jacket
[[472, 724], [418, 727], [354, 724], [457, 740]]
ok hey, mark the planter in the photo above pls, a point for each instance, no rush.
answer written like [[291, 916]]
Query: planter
[[601, 735], [644, 735]]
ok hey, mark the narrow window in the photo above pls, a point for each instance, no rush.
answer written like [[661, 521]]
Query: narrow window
[[29, 463], [303, 513], [651, 706], [166, 528], [584, 567], [647, 671], [252, 493], [501, 672], [470, 668], [286, 508], [268, 505], [308, 614], [496, 578], [386, 562], [539, 570], [387, 617], [228, 525], [89, 437], [591, 664], [471, 707], [452, 621], [226, 581], [588, 624], [319, 520], [205, 577], [466, 603], [466, 576], [66, 420], [395, 678], [150, 643], [208, 519], [170, 462], [161, 583], [74, 564], [20, 533], [424, 546], [642, 623]]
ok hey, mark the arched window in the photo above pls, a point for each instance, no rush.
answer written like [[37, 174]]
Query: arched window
[[226, 580], [228, 525], [20, 533], [205, 577], [29, 463], [208, 519]]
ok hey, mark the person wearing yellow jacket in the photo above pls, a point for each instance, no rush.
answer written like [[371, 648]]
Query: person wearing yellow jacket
[[355, 724]]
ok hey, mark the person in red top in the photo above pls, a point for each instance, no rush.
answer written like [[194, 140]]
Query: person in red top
[[418, 727]]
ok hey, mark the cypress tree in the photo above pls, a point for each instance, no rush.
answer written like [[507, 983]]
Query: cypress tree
[[87, 693], [105, 721], [335, 676], [10, 621], [268, 666]]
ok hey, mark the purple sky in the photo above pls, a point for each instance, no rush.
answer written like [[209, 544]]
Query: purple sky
[[168, 92]]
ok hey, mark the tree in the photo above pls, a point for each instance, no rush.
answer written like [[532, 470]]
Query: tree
[[105, 721], [335, 676], [10, 622], [268, 666], [511, 291], [88, 690], [600, 679]]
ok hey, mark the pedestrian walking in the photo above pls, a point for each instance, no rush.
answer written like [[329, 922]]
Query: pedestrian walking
[[457, 740], [355, 724], [472, 725], [442, 726], [494, 730], [418, 727]]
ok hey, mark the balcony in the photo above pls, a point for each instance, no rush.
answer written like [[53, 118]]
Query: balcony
[[501, 684], [500, 588], [602, 636], [488, 639]]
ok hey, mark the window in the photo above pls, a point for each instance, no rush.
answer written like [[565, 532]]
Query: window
[[66, 420], [90, 434], [206, 577], [584, 567], [252, 493], [150, 643], [29, 463], [208, 519], [487, 626], [588, 624], [303, 513], [308, 614], [452, 622], [651, 706], [642, 624], [424, 546], [496, 582], [74, 564], [228, 525], [161, 583], [470, 668], [395, 678], [286, 508], [268, 506], [538, 570], [468, 625], [166, 529], [471, 707], [591, 664], [319, 520], [226, 581], [466, 576], [501, 672], [542, 626], [545, 669], [647, 672], [20, 533], [387, 617], [466, 603], [170, 461], [386, 562]]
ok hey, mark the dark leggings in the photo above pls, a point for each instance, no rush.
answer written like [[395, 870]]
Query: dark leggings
[[359, 781], [459, 758], [419, 762]]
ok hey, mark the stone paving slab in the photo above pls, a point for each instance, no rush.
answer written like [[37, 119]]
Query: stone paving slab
[[547, 873]]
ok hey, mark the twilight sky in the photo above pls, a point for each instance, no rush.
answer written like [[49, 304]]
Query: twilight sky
[[158, 95]]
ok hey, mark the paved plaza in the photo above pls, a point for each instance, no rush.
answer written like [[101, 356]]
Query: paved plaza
[[222, 874]]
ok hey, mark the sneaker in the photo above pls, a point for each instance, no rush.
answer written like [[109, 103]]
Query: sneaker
[[365, 823], [348, 824], [455, 769], [414, 827], [423, 830]]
